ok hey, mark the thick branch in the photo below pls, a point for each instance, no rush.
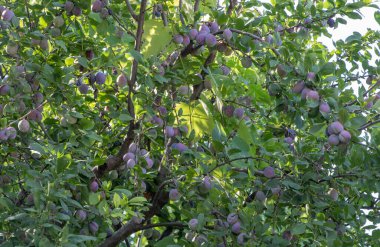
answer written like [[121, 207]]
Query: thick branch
[[196, 5], [231, 6], [131, 11]]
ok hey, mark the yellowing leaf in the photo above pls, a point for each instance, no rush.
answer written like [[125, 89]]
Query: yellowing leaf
[[156, 37]]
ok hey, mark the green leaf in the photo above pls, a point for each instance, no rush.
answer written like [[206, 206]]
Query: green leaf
[[63, 161], [299, 229], [137, 200], [93, 198], [377, 16], [116, 200]]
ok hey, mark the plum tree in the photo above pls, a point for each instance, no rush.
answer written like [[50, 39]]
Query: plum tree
[[188, 123]]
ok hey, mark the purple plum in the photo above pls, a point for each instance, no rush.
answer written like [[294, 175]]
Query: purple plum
[[7, 15], [333, 140], [169, 131], [344, 136], [81, 214], [193, 224], [93, 226], [214, 27], [129, 156], [269, 172], [227, 34], [186, 40], [205, 28], [331, 22], [210, 40], [94, 186], [236, 228], [335, 128], [83, 89], [324, 107], [174, 195], [23, 126], [180, 147], [100, 78], [178, 39], [96, 6], [312, 95], [193, 34], [239, 113], [232, 218], [131, 163], [121, 80]]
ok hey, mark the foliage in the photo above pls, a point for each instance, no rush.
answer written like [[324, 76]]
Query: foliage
[[187, 123]]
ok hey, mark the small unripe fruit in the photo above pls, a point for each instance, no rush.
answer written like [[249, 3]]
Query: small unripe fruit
[[174, 195], [178, 39], [281, 70], [7, 15], [333, 193], [81, 214], [94, 186], [193, 34], [100, 78], [97, 6], [24, 126], [333, 140], [236, 228], [324, 107], [131, 163], [269, 172], [94, 227], [210, 40], [83, 89], [214, 27], [58, 21], [232, 218], [331, 22], [246, 62], [312, 95], [260, 196], [335, 128], [344, 136], [193, 224], [121, 80], [227, 34]]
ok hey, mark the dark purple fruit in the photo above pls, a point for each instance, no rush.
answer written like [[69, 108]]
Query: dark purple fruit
[[227, 34], [100, 78], [94, 186], [97, 6]]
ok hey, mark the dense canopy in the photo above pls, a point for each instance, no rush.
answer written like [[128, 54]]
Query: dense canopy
[[188, 123]]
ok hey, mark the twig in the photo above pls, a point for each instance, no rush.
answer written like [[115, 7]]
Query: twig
[[131, 11], [196, 5]]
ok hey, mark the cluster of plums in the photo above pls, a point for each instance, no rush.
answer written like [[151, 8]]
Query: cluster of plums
[[131, 157], [72, 9], [99, 6], [230, 111], [206, 35], [337, 134]]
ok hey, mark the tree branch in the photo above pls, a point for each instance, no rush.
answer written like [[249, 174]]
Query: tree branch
[[131, 11], [231, 6], [196, 5]]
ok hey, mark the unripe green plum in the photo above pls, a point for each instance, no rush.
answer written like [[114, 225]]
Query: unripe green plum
[[260, 196], [44, 44], [246, 62], [12, 49], [148, 233], [281, 71], [23, 126], [333, 193], [156, 234], [58, 21]]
